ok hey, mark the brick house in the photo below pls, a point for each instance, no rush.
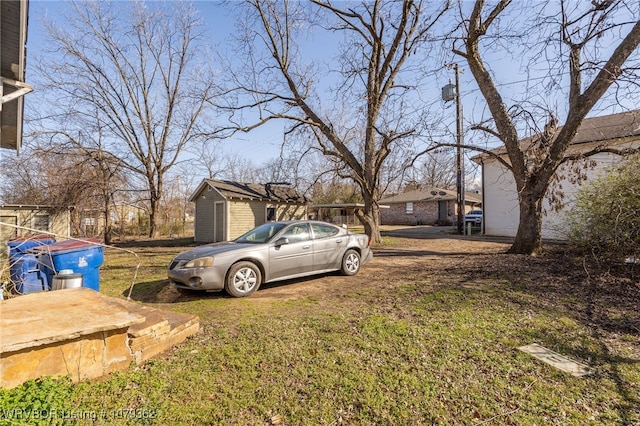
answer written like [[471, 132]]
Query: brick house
[[425, 206]]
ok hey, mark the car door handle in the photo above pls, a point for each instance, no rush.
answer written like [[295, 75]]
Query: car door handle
[[338, 241], [305, 247]]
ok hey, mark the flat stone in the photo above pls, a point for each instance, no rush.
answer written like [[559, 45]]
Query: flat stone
[[82, 333], [556, 360], [43, 318]]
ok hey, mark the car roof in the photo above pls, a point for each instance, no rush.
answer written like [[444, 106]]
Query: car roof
[[289, 222]]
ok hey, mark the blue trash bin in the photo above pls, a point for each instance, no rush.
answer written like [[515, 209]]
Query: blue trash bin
[[24, 268], [79, 256]]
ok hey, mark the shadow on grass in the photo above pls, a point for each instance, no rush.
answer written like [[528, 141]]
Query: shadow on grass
[[418, 253], [160, 291], [604, 300], [440, 232], [602, 362], [169, 242]]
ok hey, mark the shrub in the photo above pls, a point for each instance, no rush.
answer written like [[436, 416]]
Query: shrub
[[43, 401], [606, 218]]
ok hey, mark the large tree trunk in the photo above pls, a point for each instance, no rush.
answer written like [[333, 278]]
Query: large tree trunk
[[107, 224], [370, 218], [529, 236], [153, 216]]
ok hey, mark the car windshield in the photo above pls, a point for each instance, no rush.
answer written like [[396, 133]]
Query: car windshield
[[261, 234]]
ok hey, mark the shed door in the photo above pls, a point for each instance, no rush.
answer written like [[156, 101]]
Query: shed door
[[442, 210], [219, 234]]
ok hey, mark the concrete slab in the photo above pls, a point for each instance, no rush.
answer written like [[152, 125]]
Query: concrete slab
[[48, 317], [82, 333], [556, 360]]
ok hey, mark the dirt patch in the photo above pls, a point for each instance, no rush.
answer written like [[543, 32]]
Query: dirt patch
[[606, 298], [404, 257]]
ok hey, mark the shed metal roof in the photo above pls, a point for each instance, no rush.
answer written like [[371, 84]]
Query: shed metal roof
[[253, 191]]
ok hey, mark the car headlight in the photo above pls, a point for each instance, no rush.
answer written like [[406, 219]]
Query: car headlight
[[201, 262]]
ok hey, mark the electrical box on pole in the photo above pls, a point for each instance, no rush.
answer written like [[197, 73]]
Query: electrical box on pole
[[451, 92]]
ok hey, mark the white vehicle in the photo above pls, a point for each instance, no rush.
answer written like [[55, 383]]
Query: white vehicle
[[474, 216]]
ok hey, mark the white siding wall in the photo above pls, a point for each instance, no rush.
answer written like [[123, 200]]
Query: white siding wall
[[500, 206], [501, 211]]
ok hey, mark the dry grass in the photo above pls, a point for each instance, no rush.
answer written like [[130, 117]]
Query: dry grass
[[426, 333]]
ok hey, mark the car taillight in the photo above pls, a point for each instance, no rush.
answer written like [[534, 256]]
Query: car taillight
[[368, 240]]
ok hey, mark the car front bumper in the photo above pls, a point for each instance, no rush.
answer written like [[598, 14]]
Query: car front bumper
[[211, 278]]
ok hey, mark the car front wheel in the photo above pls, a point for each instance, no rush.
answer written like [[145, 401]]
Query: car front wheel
[[350, 263], [243, 279]]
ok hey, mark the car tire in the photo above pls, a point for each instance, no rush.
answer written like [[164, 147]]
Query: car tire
[[350, 263], [242, 279]]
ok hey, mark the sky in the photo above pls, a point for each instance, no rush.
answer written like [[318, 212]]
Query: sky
[[264, 143], [259, 145]]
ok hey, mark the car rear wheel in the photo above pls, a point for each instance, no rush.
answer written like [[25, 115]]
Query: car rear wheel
[[243, 279], [350, 263]]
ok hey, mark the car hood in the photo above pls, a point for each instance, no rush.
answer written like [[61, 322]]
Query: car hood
[[212, 250]]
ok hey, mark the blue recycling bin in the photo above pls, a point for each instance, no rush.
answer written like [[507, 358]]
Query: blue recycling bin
[[78, 256], [24, 268]]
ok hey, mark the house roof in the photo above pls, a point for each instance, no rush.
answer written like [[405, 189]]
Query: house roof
[[252, 191], [344, 206], [429, 194], [606, 128], [13, 40], [609, 127], [32, 207]]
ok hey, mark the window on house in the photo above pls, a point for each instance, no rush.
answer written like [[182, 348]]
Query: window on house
[[41, 222], [271, 214], [409, 208]]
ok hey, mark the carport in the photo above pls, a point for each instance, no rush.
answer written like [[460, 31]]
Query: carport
[[339, 213]]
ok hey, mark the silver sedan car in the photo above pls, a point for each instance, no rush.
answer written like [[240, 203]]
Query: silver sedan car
[[271, 252]]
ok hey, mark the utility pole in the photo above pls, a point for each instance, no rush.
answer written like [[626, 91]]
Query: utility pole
[[447, 95]]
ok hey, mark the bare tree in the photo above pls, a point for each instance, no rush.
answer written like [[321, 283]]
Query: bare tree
[[372, 113], [573, 42], [23, 179], [136, 72], [437, 169], [86, 181]]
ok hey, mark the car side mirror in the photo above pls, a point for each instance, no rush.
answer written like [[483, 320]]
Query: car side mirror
[[281, 241]]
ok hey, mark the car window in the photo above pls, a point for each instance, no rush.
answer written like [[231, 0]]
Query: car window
[[261, 234], [323, 231], [296, 233]]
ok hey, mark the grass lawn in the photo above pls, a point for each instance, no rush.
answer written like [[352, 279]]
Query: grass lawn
[[419, 339]]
